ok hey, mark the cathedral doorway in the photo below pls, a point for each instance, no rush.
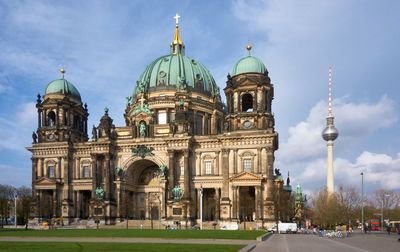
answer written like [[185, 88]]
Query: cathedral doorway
[[247, 207], [209, 206], [144, 190]]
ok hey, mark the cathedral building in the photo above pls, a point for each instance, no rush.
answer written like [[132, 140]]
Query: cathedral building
[[181, 149]]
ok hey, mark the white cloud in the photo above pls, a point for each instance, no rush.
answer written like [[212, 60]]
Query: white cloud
[[304, 153], [27, 115], [16, 131], [354, 121]]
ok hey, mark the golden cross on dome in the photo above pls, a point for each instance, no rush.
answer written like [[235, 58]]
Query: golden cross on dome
[[177, 18], [142, 101]]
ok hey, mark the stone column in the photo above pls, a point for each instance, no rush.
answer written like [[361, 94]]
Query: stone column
[[57, 122], [186, 154], [78, 204], [216, 168], [39, 118], [225, 174], [270, 163], [58, 169], [234, 202], [258, 166], [171, 184], [94, 175], [231, 162], [238, 202], [106, 179], [257, 201], [198, 172], [54, 203], [217, 201], [197, 203], [44, 117], [34, 171], [78, 168]]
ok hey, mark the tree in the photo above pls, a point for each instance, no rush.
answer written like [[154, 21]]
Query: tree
[[325, 206], [349, 204], [6, 194], [23, 208]]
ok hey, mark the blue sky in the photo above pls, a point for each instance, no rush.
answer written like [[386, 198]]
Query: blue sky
[[106, 45]]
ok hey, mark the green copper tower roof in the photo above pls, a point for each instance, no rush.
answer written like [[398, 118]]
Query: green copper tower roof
[[298, 195], [248, 64], [62, 86]]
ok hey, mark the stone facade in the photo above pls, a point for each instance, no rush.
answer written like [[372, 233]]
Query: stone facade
[[224, 153]]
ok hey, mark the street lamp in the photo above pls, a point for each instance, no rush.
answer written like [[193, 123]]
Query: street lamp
[[362, 201], [383, 199]]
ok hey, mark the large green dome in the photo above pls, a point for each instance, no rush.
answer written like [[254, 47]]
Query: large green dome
[[62, 86], [175, 70], [248, 64]]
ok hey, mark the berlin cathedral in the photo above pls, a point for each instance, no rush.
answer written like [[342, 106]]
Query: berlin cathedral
[[182, 154]]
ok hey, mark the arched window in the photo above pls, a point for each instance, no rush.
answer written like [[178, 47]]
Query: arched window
[[247, 103], [52, 118]]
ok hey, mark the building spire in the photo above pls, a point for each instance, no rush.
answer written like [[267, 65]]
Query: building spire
[[177, 45], [62, 72], [330, 91], [248, 47]]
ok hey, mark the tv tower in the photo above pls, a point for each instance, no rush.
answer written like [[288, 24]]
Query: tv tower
[[329, 134]]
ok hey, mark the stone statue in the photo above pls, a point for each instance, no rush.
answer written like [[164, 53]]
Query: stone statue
[[94, 133], [118, 171], [34, 137], [142, 129], [177, 192], [226, 126], [277, 172], [128, 100], [163, 169], [141, 86]]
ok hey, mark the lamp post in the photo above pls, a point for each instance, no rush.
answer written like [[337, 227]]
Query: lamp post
[[383, 199], [15, 208], [362, 201]]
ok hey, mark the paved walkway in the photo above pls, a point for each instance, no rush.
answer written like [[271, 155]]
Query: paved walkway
[[309, 243]]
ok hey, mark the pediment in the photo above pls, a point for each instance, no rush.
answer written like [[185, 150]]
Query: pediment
[[246, 176], [45, 181], [248, 81]]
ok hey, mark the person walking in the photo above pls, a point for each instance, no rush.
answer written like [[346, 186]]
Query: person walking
[[388, 229]]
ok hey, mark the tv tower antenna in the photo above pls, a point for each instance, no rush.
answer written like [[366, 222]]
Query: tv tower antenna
[[329, 134]]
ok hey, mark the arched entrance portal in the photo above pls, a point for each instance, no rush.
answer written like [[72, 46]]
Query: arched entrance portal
[[144, 190]]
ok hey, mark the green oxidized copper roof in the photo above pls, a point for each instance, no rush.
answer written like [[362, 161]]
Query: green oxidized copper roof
[[62, 86], [248, 64], [167, 72], [176, 71]]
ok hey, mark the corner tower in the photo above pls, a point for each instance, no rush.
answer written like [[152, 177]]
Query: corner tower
[[61, 116], [249, 94], [329, 134]]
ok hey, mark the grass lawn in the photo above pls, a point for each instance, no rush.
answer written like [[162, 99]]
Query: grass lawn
[[138, 233], [91, 246]]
